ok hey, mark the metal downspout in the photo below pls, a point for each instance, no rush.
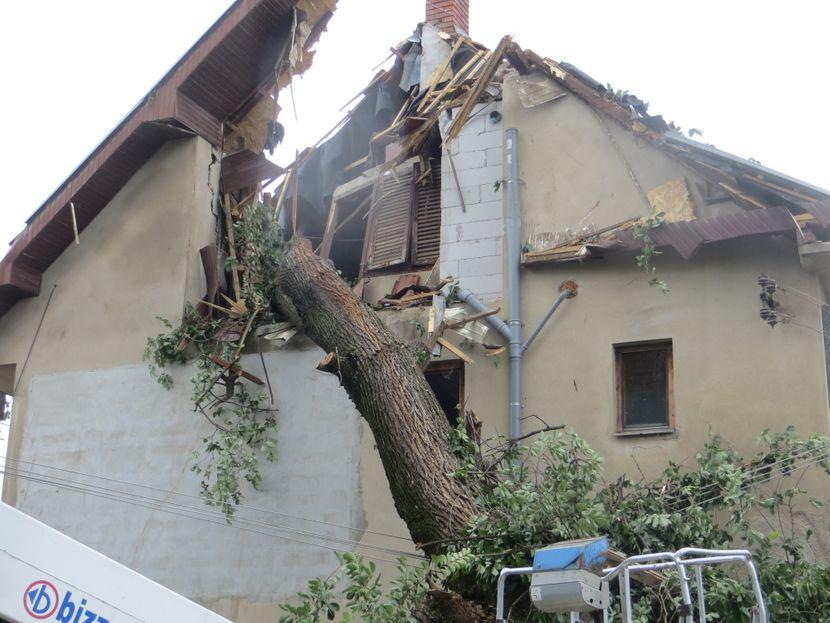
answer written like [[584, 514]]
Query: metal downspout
[[513, 234], [499, 326]]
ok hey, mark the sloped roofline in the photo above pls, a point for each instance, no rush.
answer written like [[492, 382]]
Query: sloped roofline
[[229, 69]]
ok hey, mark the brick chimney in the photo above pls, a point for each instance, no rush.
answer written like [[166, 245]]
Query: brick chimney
[[449, 15]]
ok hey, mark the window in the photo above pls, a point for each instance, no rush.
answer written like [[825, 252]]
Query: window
[[405, 225], [446, 378], [644, 387], [394, 222]]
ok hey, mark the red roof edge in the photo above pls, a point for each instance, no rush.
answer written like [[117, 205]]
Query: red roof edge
[[237, 53]]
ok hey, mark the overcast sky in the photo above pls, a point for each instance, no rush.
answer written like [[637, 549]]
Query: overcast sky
[[751, 74]]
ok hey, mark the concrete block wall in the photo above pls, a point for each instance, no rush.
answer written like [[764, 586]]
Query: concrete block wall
[[472, 240]]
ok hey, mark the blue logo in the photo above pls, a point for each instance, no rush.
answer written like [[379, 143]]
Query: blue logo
[[41, 600]]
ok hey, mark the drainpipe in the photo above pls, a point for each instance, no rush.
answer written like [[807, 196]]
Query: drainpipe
[[513, 233], [511, 331], [497, 324]]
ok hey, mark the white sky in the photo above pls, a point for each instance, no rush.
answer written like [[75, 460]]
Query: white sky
[[751, 74]]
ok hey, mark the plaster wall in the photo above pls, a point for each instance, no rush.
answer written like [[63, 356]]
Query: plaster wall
[[733, 375], [118, 423], [738, 375], [580, 169], [137, 260], [86, 403]]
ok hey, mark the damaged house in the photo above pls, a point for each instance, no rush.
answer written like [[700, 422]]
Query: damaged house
[[462, 181]]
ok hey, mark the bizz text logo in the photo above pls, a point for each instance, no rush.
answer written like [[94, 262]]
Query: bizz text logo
[[42, 600]]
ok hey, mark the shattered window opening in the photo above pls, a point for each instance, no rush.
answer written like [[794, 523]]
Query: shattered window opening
[[347, 244], [446, 378], [644, 386]]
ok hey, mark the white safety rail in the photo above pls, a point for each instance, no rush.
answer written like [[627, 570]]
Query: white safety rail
[[577, 591], [47, 576], [683, 561]]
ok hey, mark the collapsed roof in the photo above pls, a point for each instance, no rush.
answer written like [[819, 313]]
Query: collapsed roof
[[437, 71], [245, 57]]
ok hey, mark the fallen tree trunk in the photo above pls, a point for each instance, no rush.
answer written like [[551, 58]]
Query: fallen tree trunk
[[384, 379]]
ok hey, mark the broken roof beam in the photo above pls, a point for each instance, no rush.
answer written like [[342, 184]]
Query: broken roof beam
[[518, 59], [482, 82]]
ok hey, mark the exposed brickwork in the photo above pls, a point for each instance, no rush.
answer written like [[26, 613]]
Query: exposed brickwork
[[449, 15], [472, 240]]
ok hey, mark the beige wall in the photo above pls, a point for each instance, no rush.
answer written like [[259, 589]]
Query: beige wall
[[733, 374], [579, 168], [137, 260]]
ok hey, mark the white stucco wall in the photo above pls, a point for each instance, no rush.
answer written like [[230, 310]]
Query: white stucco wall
[[119, 424]]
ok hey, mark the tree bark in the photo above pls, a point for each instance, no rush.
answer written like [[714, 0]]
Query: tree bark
[[384, 380]]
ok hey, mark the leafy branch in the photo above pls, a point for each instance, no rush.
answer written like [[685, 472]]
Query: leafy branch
[[242, 420], [553, 489], [642, 232]]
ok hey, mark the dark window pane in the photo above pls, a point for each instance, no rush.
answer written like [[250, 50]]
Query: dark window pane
[[645, 388], [446, 385]]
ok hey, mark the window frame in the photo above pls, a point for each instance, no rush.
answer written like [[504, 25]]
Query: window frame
[[621, 430]]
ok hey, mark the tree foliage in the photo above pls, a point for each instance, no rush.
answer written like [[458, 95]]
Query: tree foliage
[[553, 489], [242, 420]]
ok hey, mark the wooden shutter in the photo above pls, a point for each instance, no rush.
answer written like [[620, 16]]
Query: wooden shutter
[[390, 226], [427, 219]]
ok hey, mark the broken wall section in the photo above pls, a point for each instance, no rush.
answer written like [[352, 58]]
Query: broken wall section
[[472, 220]]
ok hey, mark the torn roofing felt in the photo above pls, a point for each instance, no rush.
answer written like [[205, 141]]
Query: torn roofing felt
[[215, 86]]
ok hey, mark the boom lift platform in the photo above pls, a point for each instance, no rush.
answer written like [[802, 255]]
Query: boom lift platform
[[47, 576], [572, 577]]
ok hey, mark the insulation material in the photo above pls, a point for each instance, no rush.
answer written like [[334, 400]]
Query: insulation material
[[536, 88], [474, 331], [436, 317], [544, 240], [252, 132], [674, 200]]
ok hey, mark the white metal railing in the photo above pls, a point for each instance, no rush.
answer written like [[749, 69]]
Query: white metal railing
[[683, 560]]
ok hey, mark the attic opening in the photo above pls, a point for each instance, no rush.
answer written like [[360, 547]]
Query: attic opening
[[446, 378]]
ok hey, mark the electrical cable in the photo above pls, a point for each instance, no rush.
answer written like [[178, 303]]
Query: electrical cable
[[766, 466], [803, 295], [206, 512], [203, 515], [769, 466], [802, 465], [196, 497]]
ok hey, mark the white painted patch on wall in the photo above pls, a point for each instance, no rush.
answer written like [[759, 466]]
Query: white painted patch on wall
[[119, 424]]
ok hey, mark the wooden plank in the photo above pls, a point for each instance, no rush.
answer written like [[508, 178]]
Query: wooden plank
[[328, 234], [476, 60], [483, 81], [455, 350], [294, 199], [237, 289], [235, 369], [435, 78]]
